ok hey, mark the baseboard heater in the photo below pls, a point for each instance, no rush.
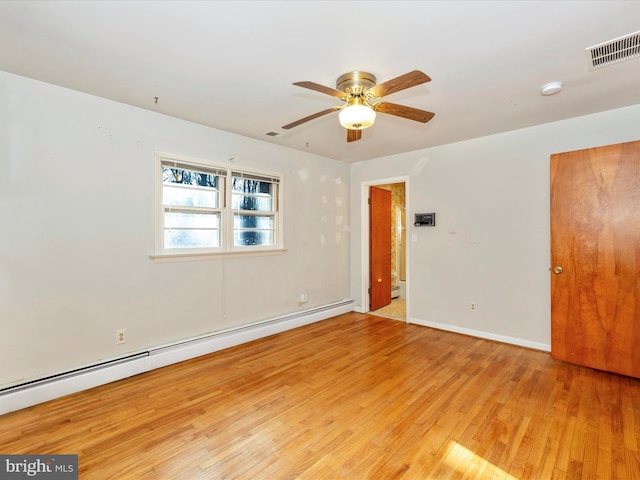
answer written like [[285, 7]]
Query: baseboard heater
[[74, 372], [46, 388]]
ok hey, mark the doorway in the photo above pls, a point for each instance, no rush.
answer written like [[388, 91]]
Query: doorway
[[393, 252]]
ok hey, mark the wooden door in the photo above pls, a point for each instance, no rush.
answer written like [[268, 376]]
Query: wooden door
[[379, 248], [595, 255]]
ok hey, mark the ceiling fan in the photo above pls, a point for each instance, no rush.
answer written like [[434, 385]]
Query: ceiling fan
[[360, 93]]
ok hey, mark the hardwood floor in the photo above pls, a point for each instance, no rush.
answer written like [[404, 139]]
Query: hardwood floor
[[357, 397]]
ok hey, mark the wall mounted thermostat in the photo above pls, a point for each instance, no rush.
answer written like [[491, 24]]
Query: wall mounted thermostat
[[425, 220]]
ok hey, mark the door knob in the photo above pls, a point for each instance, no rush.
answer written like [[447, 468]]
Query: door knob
[[557, 270]]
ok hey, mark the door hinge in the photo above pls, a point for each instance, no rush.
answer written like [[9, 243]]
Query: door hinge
[[369, 290], [369, 200]]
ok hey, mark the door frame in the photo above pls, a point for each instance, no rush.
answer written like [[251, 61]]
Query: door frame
[[364, 239]]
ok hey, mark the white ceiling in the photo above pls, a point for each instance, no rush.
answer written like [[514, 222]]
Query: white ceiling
[[230, 65]]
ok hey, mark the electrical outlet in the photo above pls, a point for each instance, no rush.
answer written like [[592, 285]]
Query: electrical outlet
[[473, 306], [121, 336]]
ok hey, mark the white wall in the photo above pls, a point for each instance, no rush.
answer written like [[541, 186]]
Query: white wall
[[77, 213], [491, 242]]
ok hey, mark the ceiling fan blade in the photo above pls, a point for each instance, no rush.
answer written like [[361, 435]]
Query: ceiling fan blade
[[407, 80], [311, 117], [353, 135], [322, 89], [404, 111]]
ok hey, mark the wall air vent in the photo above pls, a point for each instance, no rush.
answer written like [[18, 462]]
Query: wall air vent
[[614, 51]]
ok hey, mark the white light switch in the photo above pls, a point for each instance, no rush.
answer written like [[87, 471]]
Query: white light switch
[[414, 237]]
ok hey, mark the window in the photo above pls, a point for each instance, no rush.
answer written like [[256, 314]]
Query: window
[[211, 209], [253, 202], [192, 217]]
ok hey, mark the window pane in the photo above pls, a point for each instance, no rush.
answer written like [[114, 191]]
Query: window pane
[[243, 185], [247, 202], [176, 238], [188, 177], [189, 197], [252, 237], [191, 220], [252, 221], [250, 194]]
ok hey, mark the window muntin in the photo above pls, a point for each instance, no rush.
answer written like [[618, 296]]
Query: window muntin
[[200, 215]]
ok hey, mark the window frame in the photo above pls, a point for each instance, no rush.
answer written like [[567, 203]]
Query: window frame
[[227, 213]]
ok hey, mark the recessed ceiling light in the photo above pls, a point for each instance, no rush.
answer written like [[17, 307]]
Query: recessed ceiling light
[[551, 88]]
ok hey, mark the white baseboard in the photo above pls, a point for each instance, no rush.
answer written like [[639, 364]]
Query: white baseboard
[[84, 378], [480, 334]]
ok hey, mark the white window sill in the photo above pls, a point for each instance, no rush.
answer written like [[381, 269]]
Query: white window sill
[[192, 257]]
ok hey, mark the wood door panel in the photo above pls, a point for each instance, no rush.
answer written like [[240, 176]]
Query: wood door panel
[[379, 248], [595, 238]]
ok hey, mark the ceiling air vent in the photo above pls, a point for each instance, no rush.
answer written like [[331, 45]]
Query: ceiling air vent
[[272, 134], [614, 51]]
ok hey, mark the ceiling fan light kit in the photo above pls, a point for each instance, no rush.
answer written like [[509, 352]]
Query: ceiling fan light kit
[[358, 89], [357, 115]]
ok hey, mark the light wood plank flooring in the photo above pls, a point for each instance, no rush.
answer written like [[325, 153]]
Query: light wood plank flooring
[[356, 397]]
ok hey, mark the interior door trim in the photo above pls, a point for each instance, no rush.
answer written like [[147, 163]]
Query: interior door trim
[[362, 300]]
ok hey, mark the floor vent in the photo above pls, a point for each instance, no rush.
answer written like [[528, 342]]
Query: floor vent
[[614, 51]]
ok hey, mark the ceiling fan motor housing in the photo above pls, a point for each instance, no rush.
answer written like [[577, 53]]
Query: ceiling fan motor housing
[[355, 83]]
